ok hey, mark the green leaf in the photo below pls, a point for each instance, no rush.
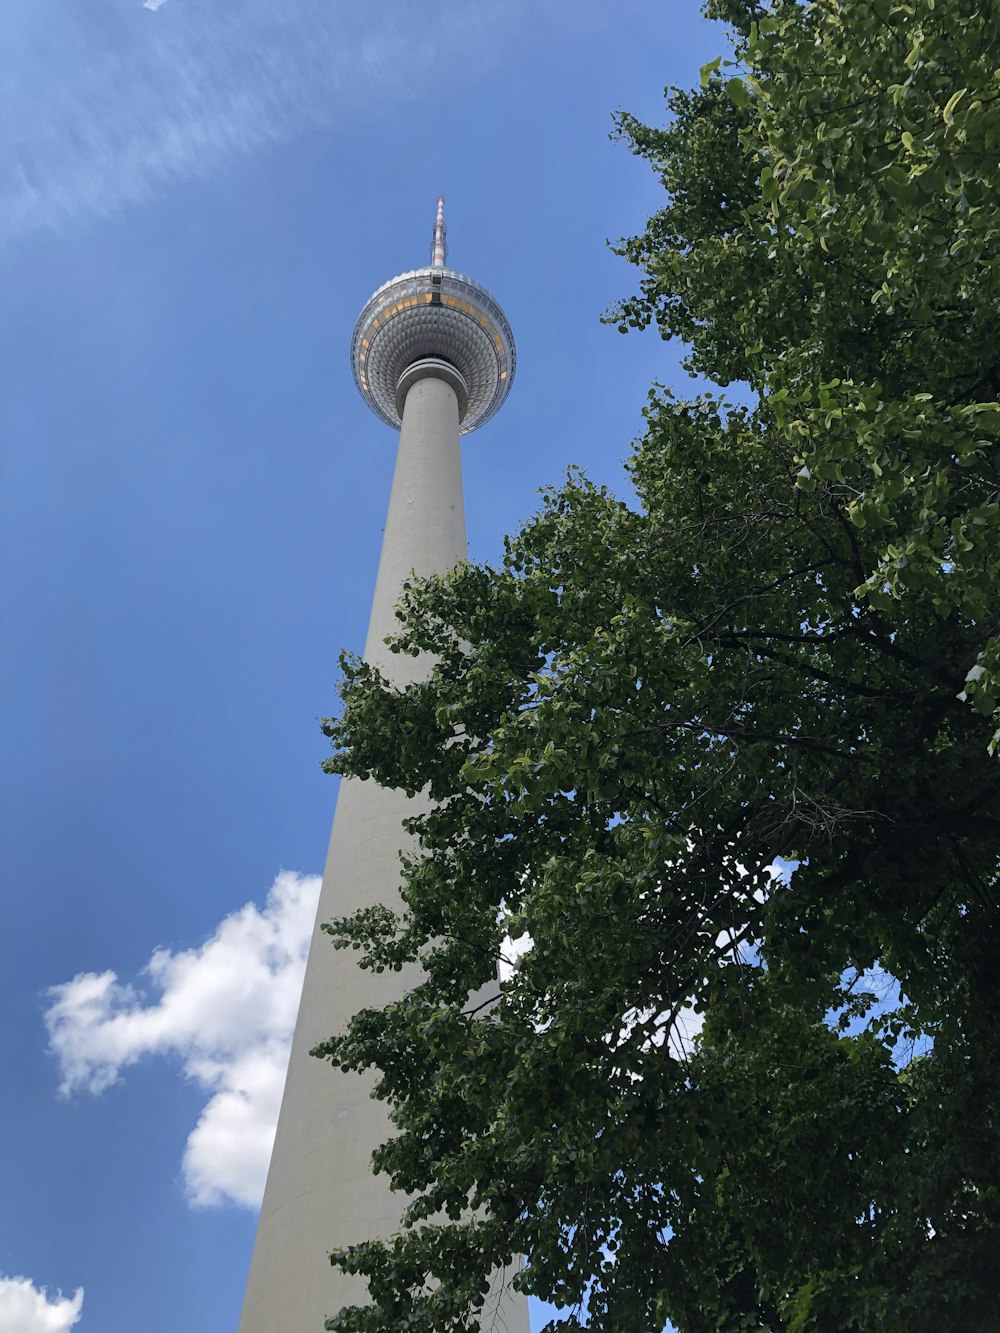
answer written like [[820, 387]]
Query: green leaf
[[708, 70], [737, 91], [948, 114]]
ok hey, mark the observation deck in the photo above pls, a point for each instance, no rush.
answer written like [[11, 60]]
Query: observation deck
[[435, 313]]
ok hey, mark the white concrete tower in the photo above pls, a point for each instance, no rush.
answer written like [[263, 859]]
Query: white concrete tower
[[433, 356]]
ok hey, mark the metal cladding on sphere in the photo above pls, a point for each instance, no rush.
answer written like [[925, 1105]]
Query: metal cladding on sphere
[[433, 312]]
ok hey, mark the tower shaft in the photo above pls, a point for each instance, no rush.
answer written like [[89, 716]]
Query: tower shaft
[[321, 1192], [425, 528]]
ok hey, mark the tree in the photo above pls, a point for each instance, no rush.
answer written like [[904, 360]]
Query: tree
[[786, 649]]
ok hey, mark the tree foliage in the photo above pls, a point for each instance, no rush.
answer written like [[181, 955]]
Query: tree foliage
[[710, 1093]]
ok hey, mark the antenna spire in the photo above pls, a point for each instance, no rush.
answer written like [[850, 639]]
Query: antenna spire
[[439, 250]]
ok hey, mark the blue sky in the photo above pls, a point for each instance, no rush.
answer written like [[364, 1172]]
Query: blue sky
[[196, 197]]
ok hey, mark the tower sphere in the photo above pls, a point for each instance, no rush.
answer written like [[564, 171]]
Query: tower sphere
[[434, 313]]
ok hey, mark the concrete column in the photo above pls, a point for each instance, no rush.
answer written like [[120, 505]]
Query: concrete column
[[425, 529], [320, 1191]]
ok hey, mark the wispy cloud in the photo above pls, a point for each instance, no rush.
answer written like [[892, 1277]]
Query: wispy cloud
[[25, 1308], [227, 1010], [105, 107]]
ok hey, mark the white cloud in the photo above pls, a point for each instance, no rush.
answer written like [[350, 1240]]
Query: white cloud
[[103, 109], [227, 1010], [25, 1308]]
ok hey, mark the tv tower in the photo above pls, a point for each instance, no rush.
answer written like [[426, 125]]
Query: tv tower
[[433, 356]]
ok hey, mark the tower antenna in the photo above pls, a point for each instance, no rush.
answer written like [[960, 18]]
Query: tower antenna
[[439, 249]]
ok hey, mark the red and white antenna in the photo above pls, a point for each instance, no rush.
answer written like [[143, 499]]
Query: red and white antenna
[[439, 250]]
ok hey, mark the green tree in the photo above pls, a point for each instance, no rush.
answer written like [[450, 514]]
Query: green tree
[[786, 648]]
